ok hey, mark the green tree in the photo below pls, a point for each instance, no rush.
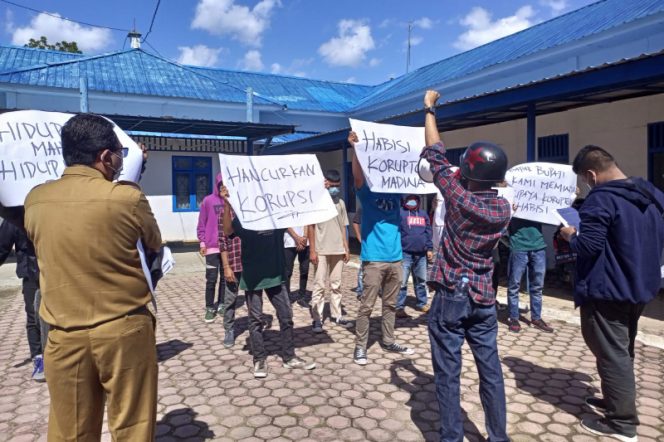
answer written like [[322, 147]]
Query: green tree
[[63, 46]]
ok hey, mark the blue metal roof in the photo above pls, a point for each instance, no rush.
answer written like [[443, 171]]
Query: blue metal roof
[[138, 72], [565, 29]]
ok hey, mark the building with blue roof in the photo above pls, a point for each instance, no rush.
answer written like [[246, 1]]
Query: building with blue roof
[[594, 75]]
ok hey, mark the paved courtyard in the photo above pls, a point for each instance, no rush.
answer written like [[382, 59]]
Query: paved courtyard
[[207, 392]]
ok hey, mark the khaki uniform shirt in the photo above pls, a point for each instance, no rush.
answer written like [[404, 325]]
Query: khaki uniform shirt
[[85, 231]]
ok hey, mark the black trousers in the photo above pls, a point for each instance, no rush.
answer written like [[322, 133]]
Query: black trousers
[[303, 257], [32, 324], [609, 329], [278, 296], [213, 271]]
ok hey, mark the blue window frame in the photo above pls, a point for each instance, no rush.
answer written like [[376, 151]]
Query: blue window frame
[[656, 154], [553, 149], [192, 181]]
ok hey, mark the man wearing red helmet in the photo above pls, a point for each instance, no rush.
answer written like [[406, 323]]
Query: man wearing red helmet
[[463, 306]]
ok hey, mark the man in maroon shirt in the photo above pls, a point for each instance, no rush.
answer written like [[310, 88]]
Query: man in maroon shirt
[[463, 306]]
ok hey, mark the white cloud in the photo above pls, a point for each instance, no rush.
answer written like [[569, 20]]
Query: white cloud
[[276, 68], [351, 80], [556, 6], [374, 62], [424, 23], [482, 29], [9, 21], [55, 30], [224, 17], [199, 55], [415, 40], [349, 48], [252, 61]]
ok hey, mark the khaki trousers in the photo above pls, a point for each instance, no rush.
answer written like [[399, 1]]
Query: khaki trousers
[[328, 270], [385, 276], [113, 363]]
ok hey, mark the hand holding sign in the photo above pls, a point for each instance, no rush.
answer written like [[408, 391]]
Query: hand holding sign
[[31, 153], [276, 192]]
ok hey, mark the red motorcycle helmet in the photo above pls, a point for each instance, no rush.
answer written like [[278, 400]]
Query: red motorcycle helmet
[[483, 162]]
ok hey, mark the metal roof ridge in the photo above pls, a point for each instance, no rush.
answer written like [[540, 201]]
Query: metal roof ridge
[[51, 51], [65, 62]]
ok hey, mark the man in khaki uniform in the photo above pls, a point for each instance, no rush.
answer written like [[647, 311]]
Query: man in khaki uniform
[[101, 347]]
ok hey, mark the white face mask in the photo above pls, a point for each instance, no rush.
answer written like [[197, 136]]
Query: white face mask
[[116, 172]]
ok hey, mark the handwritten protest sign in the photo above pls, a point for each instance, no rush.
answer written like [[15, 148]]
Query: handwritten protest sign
[[31, 153], [540, 189], [276, 191], [389, 156]]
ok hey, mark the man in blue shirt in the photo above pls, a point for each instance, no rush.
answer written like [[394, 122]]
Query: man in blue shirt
[[381, 261]]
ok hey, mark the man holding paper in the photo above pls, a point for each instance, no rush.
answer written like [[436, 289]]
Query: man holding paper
[[619, 249], [463, 306], [101, 346]]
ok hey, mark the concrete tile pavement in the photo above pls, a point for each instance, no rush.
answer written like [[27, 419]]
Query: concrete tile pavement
[[208, 392]]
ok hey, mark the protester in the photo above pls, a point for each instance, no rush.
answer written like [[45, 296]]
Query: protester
[[619, 249], [208, 235], [263, 270], [381, 262], [463, 306], [417, 247], [296, 245], [564, 257], [438, 219], [527, 250], [329, 252], [101, 346], [27, 270], [357, 221], [231, 258]]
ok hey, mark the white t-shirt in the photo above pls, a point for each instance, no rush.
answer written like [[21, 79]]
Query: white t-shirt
[[289, 242], [439, 214]]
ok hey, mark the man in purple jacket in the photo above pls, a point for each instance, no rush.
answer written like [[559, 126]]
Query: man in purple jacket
[[208, 235]]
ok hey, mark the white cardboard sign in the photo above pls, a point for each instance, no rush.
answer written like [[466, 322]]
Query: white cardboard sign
[[540, 189], [389, 156], [276, 191], [31, 153]]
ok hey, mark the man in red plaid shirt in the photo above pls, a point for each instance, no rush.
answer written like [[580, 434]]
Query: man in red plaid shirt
[[476, 219], [231, 259]]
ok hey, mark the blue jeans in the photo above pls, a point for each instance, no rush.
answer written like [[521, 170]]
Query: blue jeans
[[416, 262], [451, 320], [535, 261], [360, 286]]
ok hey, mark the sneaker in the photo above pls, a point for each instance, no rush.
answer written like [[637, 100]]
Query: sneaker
[[359, 296], [260, 369], [360, 356], [540, 324], [513, 325], [596, 404], [221, 310], [210, 315], [317, 327], [401, 314], [229, 339], [357, 289], [600, 427], [300, 363], [396, 348], [343, 322], [38, 372], [302, 302], [423, 309]]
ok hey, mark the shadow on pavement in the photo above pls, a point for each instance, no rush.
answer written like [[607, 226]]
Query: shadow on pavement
[[562, 388], [423, 403], [181, 425], [167, 350]]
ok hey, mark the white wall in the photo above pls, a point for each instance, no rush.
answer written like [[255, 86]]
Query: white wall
[[157, 184]]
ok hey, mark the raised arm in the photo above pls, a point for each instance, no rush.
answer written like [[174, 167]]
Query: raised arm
[[358, 174], [431, 134]]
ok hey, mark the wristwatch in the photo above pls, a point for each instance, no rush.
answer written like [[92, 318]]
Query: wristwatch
[[430, 110]]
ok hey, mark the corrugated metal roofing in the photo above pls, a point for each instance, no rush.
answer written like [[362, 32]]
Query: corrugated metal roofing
[[138, 72], [565, 29]]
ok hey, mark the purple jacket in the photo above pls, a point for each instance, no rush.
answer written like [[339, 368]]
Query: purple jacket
[[208, 219]]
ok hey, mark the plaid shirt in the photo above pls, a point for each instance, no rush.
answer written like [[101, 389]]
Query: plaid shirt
[[231, 245], [474, 223]]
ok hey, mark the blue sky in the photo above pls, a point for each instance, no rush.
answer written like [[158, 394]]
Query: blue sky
[[359, 41]]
